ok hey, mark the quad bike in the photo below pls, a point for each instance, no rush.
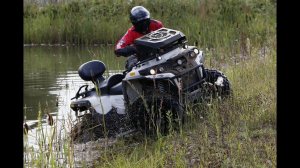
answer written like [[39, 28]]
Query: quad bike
[[152, 95]]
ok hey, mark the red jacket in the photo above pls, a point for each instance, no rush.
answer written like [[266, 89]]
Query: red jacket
[[129, 37]]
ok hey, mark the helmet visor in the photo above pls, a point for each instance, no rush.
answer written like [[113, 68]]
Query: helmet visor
[[142, 26]]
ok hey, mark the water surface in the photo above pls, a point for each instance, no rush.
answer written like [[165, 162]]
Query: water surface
[[51, 79]]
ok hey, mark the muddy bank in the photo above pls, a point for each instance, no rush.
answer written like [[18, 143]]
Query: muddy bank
[[89, 153]]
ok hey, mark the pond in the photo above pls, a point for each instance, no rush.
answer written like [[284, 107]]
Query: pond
[[51, 78]]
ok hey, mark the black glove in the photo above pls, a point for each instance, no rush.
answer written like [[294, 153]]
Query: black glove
[[126, 51]]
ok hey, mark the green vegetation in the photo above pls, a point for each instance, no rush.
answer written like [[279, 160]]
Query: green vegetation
[[237, 132], [210, 24], [238, 38], [50, 145]]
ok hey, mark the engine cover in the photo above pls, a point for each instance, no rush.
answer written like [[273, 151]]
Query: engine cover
[[158, 42]]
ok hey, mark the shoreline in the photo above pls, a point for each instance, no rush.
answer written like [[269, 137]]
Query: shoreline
[[64, 45]]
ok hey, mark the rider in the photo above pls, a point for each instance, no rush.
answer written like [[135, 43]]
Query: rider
[[142, 24]]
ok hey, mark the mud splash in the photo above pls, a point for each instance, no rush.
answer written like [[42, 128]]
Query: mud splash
[[88, 154], [45, 145]]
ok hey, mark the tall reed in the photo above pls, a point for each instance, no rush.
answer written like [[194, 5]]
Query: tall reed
[[208, 24], [238, 37], [235, 132]]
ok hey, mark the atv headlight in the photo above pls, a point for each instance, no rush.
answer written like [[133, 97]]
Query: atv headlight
[[152, 72], [158, 58], [185, 46], [196, 51], [179, 62]]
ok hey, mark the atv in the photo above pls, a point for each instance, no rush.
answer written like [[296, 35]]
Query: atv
[[150, 97]]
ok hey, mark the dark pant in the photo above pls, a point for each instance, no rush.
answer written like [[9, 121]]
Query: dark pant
[[130, 62]]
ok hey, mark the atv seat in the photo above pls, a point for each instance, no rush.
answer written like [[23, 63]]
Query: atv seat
[[116, 90], [112, 85]]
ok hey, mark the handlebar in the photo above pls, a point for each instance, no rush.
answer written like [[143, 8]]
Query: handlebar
[[78, 94]]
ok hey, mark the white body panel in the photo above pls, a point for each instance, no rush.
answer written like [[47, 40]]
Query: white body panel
[[103, 104]]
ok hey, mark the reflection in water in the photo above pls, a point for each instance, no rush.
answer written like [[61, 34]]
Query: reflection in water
[[51, 80], [50, 75]]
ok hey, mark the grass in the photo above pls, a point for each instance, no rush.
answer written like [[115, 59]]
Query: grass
[[236, 132], [51, 148], [209, 24], [238, 38]]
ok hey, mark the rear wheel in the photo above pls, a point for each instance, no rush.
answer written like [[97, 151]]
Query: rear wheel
[[85, 129], [93, 126]]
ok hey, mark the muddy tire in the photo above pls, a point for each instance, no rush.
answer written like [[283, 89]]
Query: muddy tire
[[180, 115], [81, 131], [211, 88], [93, 126], [152, 119], [86, 129]]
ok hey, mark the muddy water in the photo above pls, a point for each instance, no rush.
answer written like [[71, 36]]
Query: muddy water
[[50, 80]]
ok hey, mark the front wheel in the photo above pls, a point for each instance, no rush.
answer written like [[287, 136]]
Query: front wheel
[[216, 85], [161, 115]]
